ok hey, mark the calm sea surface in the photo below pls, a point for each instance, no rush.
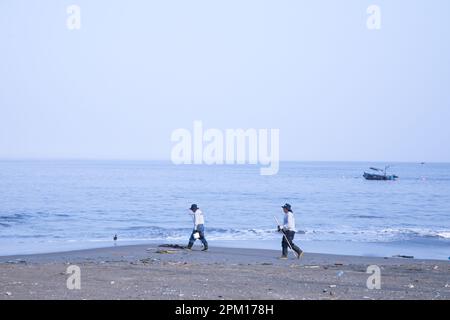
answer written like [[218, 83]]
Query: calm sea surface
[[63, 205]]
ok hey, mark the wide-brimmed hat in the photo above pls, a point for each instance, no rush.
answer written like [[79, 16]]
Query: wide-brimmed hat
[[194, 207], [287, 206]]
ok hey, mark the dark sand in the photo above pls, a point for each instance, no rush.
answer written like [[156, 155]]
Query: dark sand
[[140, 272]]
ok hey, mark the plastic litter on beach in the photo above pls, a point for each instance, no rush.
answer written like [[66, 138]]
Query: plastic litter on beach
[[8, 293], [312, 267], [166, 252], [149, 260], [177, 263], [340, 274]]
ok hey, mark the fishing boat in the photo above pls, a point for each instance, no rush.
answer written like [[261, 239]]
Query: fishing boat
[[380, 175]]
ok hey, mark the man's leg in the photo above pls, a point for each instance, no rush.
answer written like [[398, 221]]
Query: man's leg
[[291, 236], [284, 246], [191, 240], [205, 243], [203, 239]]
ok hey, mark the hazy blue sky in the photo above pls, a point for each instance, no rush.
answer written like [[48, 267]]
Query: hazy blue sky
[[137, 70]]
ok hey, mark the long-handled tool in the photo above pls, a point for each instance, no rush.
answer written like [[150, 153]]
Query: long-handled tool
[[284, 234]]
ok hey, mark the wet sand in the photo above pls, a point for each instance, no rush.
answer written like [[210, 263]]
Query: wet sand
[[150, 272]]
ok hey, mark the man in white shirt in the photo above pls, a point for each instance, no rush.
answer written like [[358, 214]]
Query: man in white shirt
[[199, 228], [288, 230]]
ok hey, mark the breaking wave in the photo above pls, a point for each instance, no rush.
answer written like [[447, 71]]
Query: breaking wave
[[152, 233]]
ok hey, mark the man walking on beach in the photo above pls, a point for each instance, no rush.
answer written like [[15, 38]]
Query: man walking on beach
[[288, 230], [199, 228]]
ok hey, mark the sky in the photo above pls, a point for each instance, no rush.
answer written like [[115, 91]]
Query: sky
[[138, 70]]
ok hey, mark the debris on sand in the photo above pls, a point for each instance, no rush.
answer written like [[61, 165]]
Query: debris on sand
[[403, 257], [8, 293], [166, 252], [148, 260], [176, 263], [172, 246], [17, 261]]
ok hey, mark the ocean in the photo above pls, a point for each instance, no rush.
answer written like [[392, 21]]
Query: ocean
[[49, 206]]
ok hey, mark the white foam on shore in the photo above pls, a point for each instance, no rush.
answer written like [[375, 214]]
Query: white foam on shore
[[445, 235]]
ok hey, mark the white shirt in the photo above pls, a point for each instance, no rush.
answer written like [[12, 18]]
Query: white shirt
[[289, 222], [198, 217]]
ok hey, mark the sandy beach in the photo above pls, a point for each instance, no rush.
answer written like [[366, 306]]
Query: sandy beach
[[155, 273]]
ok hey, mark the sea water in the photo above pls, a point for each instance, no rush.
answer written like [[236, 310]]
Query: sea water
[[48, 206]]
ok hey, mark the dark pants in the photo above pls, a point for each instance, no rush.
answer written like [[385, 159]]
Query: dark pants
[[201, 231], [285, 244]]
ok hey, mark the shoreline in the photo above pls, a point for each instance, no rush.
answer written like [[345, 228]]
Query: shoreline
[[417, 250], [154, 273]]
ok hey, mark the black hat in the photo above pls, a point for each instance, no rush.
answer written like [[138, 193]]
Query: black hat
[[287, 206], [194, 207]]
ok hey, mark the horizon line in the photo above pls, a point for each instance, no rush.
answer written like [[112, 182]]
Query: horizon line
[[168, 160]]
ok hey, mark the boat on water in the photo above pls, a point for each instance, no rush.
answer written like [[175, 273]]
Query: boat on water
[[379, 175]]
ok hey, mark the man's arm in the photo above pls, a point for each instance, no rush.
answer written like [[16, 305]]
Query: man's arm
[[194, 218], [284, 227], [195, 221]]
